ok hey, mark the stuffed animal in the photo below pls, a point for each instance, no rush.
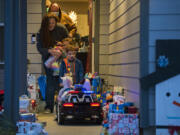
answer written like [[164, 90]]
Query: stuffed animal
[[87, 84], [67, 85]]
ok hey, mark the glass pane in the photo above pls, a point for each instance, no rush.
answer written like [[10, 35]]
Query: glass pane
[[1, 44], [1, 11]]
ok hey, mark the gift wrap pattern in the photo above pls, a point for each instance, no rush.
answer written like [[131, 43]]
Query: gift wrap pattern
[[123, 124]]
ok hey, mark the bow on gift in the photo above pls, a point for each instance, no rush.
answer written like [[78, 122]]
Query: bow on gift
[[31, 87], [173, 129]]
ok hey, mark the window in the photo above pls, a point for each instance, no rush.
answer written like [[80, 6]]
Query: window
[[1, 31]]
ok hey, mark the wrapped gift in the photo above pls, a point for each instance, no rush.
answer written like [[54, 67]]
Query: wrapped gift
[[115, 108], [119, 99], [31, 80], [131, 109], [29, 117], [124, 124], [24, 104], [29, 128]]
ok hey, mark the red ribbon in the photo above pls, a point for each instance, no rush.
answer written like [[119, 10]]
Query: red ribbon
[[172, 129]]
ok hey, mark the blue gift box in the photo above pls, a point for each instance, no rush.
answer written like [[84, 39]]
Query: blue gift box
[[30, 117], [114, 108]]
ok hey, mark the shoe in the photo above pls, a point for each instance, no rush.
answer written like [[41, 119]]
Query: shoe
[[46, 107], [47, 111], [52, 110], [55, 119]]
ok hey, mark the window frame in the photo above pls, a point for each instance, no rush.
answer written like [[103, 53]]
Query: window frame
[[2, 24]]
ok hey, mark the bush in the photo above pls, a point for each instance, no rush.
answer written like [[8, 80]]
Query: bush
[[6, 127]]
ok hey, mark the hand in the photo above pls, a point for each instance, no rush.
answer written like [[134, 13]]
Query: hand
[[59, 43], [55, 52], [61, 85], [70, 35]]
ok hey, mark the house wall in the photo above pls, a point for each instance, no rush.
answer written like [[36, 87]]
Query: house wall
[[1, 44], [1, 79], [34, 17], [104, 39], [164, 18], [119, 53]]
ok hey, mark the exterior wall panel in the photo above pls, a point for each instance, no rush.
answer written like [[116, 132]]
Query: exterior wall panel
[[119, 56], [164, 18], [34, 18]]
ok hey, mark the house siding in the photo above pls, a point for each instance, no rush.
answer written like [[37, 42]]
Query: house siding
[[34, 17], [124, 47]]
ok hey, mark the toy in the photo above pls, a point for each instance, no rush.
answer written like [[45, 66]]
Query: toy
[[55, 68], [31, 81], [24, 104], [119, 99], [114, 108], [87, 85], [67, 85], [48, 63], [29, 117]]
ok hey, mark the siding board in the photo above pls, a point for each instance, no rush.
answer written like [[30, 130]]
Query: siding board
[[119, 59], [160, 34], [123, 20], [126, 44], [164, 6], [164, 22], [123, 9], [34, 17], [128, 57], [125, 31], [123, 58], [33, 28], [125, 70]]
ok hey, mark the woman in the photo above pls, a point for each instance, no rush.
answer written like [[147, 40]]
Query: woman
[[65, 19], [50, 33]]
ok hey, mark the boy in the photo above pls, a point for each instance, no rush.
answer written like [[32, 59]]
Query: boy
[[71, 65]]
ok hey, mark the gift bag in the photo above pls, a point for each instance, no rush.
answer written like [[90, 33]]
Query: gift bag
[[42, 85]]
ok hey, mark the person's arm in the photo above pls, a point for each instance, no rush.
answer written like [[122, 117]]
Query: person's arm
[[73, 30], [64, 32], [48, 3], [45, 52], [42, 51]]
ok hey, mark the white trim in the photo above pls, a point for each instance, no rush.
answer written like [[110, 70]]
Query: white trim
[[1, 24], [1, 63]]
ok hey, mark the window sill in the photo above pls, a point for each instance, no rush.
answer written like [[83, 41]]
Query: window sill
[[1, 24], [2, 65]]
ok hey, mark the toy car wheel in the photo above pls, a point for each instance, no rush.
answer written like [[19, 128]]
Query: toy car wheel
[[98, 121], [60, 118]]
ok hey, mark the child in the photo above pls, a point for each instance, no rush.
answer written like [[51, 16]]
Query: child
[[67, 86], [71, 65]]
